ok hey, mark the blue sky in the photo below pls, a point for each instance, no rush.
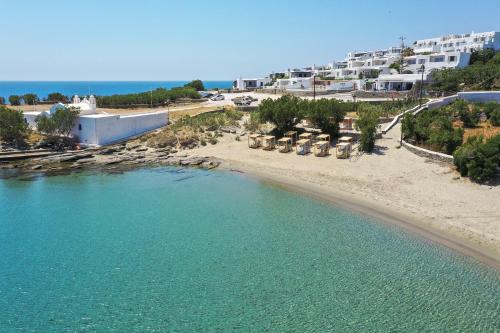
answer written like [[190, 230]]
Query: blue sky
[[212, 40]]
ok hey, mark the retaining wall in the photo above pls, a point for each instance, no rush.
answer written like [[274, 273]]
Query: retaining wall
[[428, 153]]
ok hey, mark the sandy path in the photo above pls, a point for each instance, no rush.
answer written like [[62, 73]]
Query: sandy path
[[391, 180]]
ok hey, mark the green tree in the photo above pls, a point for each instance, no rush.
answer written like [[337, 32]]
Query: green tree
[[408, 52], [2, 100], [57, 97], [195, 84], [60, 123], [367, 123], [284, 112], [13, 128], [14, 100], [325, 114], [30, 99]]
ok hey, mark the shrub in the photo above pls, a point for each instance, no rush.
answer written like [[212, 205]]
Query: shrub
[[13, 128], [15, 100], [195, 84], [367, 123], [478, 160], [253, 124], [468, 117], [495, 117]]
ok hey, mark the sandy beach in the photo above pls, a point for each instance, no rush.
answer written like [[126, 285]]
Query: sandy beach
[[427, 197]]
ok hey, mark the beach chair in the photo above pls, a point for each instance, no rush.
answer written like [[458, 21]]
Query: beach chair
[[343, 150], [303, 147], [306, 136], [321, 148], [254, 141], [292, 135], [323, 137], [268, 142], [285, 145]]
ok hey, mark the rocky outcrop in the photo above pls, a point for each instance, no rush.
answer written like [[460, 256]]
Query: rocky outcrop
[[126, 156]]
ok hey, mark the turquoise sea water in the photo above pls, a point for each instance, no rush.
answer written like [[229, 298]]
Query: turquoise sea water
[[101, 88], [164, 249]]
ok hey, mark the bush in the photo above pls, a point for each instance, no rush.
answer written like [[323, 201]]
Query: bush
[[434, 127], [15, 100], [495, 117], [253, 124], [13, 128], [482, 74], [478, 160], [195, 84], [367, 123], [468, 117]]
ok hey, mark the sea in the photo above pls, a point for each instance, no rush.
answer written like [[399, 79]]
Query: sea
[[99, 88], [188, 250]]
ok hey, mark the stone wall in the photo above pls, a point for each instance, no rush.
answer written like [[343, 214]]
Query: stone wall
[[428, 153]]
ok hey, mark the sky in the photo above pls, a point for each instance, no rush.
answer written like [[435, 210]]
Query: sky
[[213, 40]]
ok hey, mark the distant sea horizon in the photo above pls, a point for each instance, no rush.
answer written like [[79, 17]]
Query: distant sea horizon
[[99, 88]]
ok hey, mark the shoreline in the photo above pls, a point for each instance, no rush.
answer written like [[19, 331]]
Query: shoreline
[[418, 227]]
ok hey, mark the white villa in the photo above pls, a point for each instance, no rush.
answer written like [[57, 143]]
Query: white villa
[[96, 129], [372, 69], [460, 43]]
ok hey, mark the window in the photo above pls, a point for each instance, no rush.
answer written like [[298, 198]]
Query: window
[[437, 59], [421, 61], [452, 58], [79, 127]]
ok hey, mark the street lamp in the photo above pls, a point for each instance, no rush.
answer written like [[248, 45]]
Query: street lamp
[[422, 69]]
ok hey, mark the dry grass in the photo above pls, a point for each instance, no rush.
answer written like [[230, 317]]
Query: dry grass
[[485, 129], [177, 114]]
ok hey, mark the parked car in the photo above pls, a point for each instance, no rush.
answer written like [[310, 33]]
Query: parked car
[[205, 94], [242, 102], [218, 98]]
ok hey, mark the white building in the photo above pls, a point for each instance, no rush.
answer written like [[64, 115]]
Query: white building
[[96, 129], [458, 43], [249, 84], [436, 61], [453, 51]]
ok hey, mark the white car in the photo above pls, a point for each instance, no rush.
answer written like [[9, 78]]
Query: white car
[[218, 98]]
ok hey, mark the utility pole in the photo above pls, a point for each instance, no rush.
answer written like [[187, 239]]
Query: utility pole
[[401, 65], [401, 57]]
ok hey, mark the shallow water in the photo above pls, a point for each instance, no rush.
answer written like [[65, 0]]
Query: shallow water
[[189, 250]]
